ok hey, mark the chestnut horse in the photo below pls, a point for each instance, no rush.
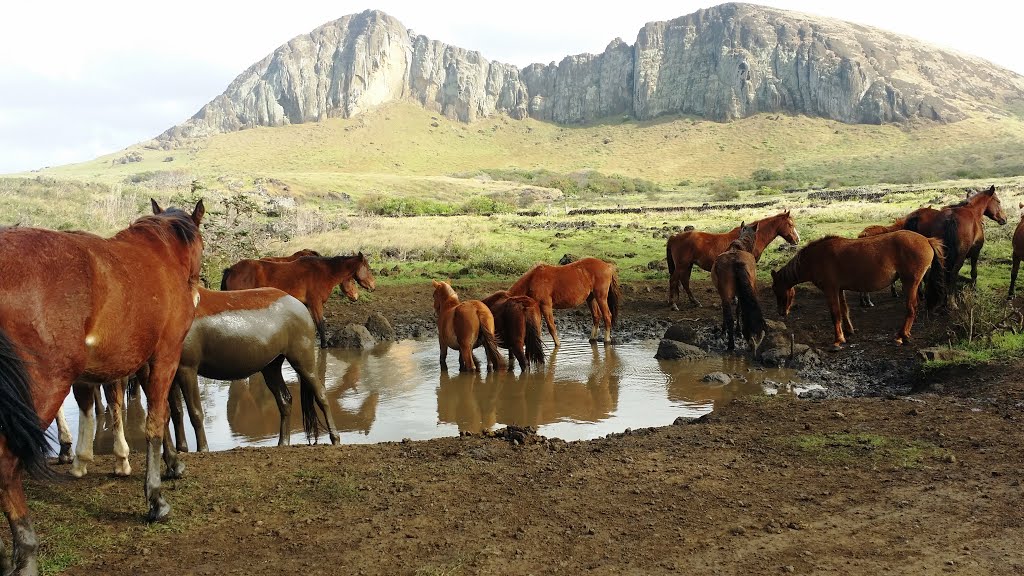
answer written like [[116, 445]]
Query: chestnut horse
[[310, 279], [463, 326], [1018, 250], [874, 230], [962, 231], [834, 264], [294, 256], [734, 274], [75, 307], [517, 322], [589, 280], [701, 248]]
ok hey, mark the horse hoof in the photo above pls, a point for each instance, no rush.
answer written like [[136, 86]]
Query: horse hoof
[[65, 456], [176, 472], [78, 470], [158, 512], [837, 347]]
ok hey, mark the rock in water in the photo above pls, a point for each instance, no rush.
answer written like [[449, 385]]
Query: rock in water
[[352, 336], [672, 350], [379, 327]]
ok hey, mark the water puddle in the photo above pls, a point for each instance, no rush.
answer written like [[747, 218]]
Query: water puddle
[[397, 391]]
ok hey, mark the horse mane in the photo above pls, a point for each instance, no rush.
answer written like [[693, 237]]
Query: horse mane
[[184, 227]]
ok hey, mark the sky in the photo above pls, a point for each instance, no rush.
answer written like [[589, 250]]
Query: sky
[[83, 79]]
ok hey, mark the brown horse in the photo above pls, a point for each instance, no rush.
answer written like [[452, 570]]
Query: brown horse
[[294, 256], [834, 264], [75, 307], [961, 228], [734, 274], [310, 279], [1018, 250], [589, 280], [463, 326], [701, 248], [517, 322], [875, 230]]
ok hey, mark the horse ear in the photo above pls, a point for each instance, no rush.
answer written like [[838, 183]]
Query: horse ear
[[743, 223], [361, 257], [991, 190], [787, 212], [1021, 205], [436, 283], [156, 207], [197, 214]]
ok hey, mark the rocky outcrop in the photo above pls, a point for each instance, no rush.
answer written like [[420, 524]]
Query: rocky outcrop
[[722, 63]]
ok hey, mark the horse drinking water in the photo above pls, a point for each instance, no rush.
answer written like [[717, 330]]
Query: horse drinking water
[[701, 248], [75, 307], [834, 264], [463, 326], [310, 279], [589, 280], [734, 274], [517, 323]]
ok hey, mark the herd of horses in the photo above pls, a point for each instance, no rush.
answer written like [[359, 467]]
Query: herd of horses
[[84, 311]]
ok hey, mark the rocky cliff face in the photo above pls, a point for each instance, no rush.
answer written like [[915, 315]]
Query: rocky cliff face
[[722, 63]]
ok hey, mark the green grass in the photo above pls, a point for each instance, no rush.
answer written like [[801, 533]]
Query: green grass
[[846, 448]]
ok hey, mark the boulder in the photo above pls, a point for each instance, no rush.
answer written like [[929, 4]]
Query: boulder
[[672, 350], [681, 332], [940, 354], [379, 327], [717, 378], [352, 336]]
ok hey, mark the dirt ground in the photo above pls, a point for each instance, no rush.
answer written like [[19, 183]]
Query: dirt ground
[[890, 482]]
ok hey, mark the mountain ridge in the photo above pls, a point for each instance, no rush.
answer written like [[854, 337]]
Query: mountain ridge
[[722, 63]]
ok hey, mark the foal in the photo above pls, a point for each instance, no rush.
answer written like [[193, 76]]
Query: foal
[[463, 326]]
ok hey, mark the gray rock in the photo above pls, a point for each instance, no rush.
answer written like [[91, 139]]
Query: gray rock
[[781, 355], [352, 336], [681, 332], [940, 354], [379, 327], [775, 326], [672, 350], [717, 378]]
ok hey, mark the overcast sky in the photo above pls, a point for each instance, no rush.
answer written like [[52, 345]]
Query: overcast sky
[[82, 79]]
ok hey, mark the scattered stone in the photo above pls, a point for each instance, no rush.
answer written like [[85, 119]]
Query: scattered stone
[[775, 326], [672, 350], [940, 354], [352, 336], [949, 459], [788, 569], [738, 531], [717, 378], [681, 332], [238, 509], [379, 327]]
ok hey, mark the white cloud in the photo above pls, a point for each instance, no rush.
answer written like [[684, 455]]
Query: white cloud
[[85, 78]]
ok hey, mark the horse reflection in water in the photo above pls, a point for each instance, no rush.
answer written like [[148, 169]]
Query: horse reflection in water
[[475, 403], [252, 411]]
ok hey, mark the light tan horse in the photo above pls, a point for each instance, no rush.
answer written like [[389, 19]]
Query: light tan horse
[[734, 275], [464, 326], [701, 248], [589, 280]]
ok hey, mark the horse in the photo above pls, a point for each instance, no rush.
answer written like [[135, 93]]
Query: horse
[[963, 233], [734, 274], [89, 405], [517, 322], [701, 248], [1018, 251], [78, 308], [294, 256], [874, 230], [834, 264], [310, 279], [589, 280], [463, 326]]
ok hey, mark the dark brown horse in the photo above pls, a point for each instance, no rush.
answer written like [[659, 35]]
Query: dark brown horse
[[310, 279], [834, 264], [589, 280], [734, 274], [1018, 250], [75, 307], [701, 248], [294, 256], [517, 322], [463, 326], [961, 228], [875, 230]]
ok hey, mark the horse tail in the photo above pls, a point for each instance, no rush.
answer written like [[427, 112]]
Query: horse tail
[[668, 256], [24, 434], [951, 244], [310, 419], [614, 296], [750, 307], [491, 346], [224, 278], [935, 287], [534, 344]]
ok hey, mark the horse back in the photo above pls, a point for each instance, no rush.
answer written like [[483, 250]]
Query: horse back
[[701, 248]]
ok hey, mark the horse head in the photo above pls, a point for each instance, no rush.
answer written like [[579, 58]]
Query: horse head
[[787, 228], [442, 293], [993, 208], [748, 234], [363, 275], [783, 296], [350, 289]]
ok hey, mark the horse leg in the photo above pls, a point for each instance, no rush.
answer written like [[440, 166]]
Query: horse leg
[[467, 363], [595, 315], [114, 391], [908, 322], [276, 385], [186, 379], [64, 434], [673, 287], [865, 299], [836, 308], [1013, 283], [308, 381], [974, 265], [846, 311], [86, 430], [606, 312], [157, 389], [549, 319], [685, 272], [174, 403], [25, 545], [728, 323], [444, 352]]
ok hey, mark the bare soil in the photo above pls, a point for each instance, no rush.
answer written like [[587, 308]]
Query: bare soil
[[885, 482]]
